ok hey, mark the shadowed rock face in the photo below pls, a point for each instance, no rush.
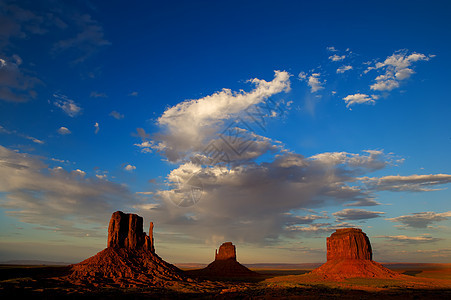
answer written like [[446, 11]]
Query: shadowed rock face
[[126, 231], [349, 243], [226, 251], [224, 265]]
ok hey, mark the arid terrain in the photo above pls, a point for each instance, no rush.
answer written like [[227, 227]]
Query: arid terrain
[[420, 281], [130, 268]]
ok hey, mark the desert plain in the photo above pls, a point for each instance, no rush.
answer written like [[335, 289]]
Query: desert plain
[[130, 268]]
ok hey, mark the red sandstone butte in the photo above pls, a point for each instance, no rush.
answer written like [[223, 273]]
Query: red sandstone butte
[[126, 231], [349, 254], [349, 243], [226, 251], [129, 259], [225, 265]]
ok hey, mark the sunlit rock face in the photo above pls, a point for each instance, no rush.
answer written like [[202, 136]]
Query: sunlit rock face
[[349, 243], [129, 259], [349, 255], [126, 231], [226, 251]]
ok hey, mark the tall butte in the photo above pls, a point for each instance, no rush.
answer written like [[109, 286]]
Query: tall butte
[[224, 265], [349, 254], [129, 259]]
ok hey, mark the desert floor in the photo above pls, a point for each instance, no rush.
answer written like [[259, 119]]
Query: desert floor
[[420, 281]]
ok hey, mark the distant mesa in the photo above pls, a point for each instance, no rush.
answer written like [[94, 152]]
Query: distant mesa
[[349, 254], [129, 259], [225, 265]]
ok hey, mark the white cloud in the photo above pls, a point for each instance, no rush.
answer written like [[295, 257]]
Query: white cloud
[[313, 81], [336, 57], [190, 125], [385, 85], [64, 131], [69, 106], [344, 68], [359, 99], [422, 219], [146, 146], [79, 172], [97, 127], [129, 168], [332, 49], [133, 94], [396, 68]]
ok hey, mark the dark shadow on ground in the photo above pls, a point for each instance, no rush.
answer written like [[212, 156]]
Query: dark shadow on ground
[[412, 272]]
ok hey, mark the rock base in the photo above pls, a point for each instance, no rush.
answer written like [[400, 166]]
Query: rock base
[[125, 268], [350, 268]]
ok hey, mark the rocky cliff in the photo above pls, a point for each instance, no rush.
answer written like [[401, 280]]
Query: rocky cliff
[[349, 243], [126, 231], [226, 251], [349, 254], [129, 259]]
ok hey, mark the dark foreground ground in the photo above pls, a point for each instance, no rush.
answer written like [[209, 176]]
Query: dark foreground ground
[[420, 281]]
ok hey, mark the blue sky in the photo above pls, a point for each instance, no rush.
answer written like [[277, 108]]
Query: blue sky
[[107, 106]]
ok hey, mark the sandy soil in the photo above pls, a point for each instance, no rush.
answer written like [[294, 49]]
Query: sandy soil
[[418, 281]]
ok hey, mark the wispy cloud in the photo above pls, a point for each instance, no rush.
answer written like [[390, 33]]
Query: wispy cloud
[[36, 194], [25, 136], [16, 85], [422, 219], [87, 41], [344, 68], [410, 239], [318, 228], [95, 94], [116, 115], [411, 183], [336, 57], [69, 106], [351, 214]]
